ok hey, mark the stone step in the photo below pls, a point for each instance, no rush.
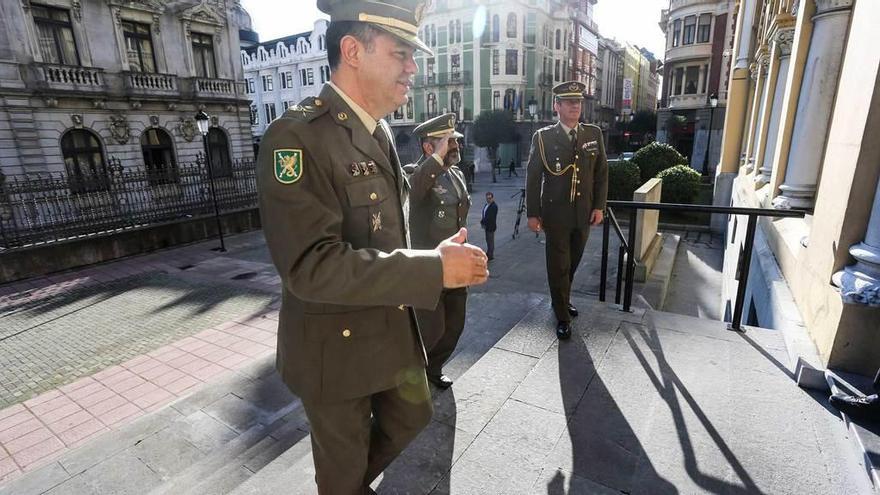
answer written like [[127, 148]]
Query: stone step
[[211, 479]]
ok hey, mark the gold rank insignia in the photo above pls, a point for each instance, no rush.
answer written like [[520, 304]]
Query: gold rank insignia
[[376, 221], [288, 165]]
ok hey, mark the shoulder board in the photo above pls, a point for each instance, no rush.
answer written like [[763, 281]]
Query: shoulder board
[[590, 125], [307, 110], [547, 127]]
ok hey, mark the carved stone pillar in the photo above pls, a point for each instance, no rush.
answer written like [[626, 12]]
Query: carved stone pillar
[[860, 283], [814, 105], [784, 39]]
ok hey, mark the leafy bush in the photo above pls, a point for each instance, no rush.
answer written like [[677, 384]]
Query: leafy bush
[[681, 184], [656, 157], [623, 180]]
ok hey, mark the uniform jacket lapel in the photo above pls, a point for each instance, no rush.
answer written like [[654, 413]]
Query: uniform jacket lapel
[[359, 136]]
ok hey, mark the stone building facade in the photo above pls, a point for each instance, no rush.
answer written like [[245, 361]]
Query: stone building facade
[[800, 132], [280, 73], [87, 82], [698, 36]]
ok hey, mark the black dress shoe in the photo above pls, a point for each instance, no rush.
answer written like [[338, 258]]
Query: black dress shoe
[[573, 311], [441, 381], [867, 407], [563, 330]]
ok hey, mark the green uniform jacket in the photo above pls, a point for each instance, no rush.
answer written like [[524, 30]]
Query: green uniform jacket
[[438, 207], [338, 237], [548, 195]]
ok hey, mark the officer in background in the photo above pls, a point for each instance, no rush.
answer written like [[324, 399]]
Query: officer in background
[[333, 207], [566, 189], [439, 204]]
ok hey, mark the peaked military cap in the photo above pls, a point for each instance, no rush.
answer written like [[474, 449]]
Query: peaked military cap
[[570, 90], [437, 127], [400, 18]]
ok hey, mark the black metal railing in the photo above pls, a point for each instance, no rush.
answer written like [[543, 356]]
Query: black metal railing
[[42, 208], [442, 79], [627, 248]]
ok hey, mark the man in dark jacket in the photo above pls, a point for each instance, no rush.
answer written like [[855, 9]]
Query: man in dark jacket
[[490, 212]]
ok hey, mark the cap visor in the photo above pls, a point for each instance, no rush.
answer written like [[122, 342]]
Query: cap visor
[[410, 39], [457, 134]]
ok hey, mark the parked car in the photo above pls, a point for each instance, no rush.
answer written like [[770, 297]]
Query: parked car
[[626, 155]]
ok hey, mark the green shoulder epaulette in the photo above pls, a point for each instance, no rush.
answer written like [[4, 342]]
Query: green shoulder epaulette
[[307, 110]]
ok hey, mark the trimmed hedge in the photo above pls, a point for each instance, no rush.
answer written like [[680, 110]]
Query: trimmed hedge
[[681, 184], [655, 158], [623, 180]]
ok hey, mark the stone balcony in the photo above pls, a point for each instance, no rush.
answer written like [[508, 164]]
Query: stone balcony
[[69, 78], [146, 84], [214, 88], [687, 101]]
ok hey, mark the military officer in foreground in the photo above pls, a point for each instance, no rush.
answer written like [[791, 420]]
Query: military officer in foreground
[[439, 204], [566, 189], [333, 203]]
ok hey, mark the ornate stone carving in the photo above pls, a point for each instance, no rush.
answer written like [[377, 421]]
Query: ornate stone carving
[[172, 106], [99, 104], [77, 9], [784, 40], [135, 104], [795, 6], [753, 71], [154, 6], [229, 107], [77, 120], [154, 120], [215, 121], [157, 26], [120, 129], [206, 13], [51, 102], [187, 129]]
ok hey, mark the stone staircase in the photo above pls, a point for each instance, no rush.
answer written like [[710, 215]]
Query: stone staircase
[[642, 402]]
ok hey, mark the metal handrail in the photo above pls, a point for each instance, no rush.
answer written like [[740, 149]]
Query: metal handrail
[[628, 247]]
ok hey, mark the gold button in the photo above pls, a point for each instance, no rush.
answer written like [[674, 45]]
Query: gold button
[[318, 102], [578, 181], [342, 116], [401, 307], [373, 196], [346, 333], [441, 202], [575, 157], [577, 170], [432, 176], [579, 194]]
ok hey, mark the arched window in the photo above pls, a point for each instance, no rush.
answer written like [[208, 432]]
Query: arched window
[[496, 28], [455, 102], [509, 99], [218, 146], [159, 160], [84, 161], [511, 25], [558, 39], [432, 104]]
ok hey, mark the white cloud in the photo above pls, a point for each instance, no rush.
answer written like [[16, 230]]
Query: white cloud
[[275, 19]]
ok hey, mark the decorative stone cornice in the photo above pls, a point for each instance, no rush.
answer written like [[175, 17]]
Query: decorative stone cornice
[[151, 6], [795, 6], [823, 6], [206, 13]]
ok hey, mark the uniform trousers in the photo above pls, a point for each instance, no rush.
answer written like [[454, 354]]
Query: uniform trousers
[[564, 249], [442, 327], [353, 441]]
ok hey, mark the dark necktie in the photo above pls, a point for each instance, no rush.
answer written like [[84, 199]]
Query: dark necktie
[[382, 138], [573, 134]]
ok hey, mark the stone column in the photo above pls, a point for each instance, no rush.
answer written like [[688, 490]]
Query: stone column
[[784, 39], [758, 75], [860, 283], [814, 104]]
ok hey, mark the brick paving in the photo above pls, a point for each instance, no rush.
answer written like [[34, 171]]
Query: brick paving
[[46, 426]]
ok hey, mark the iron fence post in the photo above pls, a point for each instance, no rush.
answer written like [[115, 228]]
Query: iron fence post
[[744, 274], [606, 231], [630, 260], [621, 254]]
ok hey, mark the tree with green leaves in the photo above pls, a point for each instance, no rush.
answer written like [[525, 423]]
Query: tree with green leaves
[[491, 128]]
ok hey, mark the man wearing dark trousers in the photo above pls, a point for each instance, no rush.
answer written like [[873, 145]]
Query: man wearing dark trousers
[[490, 212], [566, 189], [333, 204], [439, 205]]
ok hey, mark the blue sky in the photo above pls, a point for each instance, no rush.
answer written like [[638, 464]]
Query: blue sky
[[634, 21]]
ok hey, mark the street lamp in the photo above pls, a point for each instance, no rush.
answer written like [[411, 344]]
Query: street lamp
[[533, 109], [202, 121], [713, 102]]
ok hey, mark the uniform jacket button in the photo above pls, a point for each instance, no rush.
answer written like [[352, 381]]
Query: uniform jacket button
[[373, 196], [579, 194], [401, 307], [346, 333]]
